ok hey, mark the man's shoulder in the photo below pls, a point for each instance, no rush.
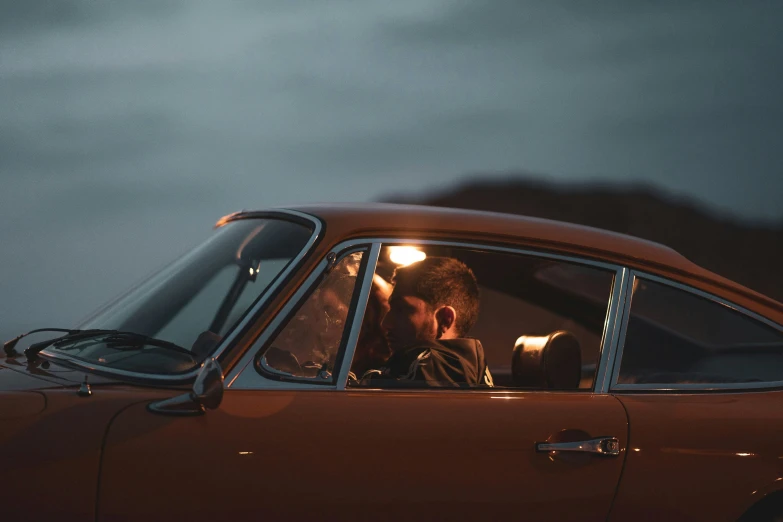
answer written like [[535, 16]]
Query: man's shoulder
[[400, 362], [446, 361], [462, 347]]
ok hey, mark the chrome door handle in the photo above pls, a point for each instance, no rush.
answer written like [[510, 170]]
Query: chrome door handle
[[607, 446]]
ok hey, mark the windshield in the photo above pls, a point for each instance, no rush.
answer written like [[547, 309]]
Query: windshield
[[195, 301]]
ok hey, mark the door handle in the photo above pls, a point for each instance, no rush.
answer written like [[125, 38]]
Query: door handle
[[606, 446]]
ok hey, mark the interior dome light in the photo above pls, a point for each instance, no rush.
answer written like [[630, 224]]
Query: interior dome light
[[405, 255]]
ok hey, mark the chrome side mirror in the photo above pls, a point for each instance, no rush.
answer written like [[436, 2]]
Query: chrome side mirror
[[208, 388], [207, 393]]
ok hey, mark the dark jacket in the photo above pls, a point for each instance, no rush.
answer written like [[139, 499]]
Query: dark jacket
[[452, 362]]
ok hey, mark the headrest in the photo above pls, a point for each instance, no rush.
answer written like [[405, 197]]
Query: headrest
[[551, 361]]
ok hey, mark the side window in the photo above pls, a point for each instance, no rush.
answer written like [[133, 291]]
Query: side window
[[676, 337], [519, 321], [309, 342]]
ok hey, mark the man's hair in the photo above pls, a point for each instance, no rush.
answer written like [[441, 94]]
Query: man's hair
[[442, 281]]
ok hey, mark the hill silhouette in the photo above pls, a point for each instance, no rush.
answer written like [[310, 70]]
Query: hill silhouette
[[749, 253]]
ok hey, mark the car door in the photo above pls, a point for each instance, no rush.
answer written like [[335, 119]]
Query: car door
[[292, 441], [700, 379]]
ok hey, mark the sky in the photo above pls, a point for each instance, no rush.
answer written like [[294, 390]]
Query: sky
[[128, 127]]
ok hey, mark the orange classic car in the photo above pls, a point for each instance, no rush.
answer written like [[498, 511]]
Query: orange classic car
[[615, 380]]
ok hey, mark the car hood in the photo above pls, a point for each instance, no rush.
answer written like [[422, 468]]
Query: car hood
[[17, 374], [22, 387]]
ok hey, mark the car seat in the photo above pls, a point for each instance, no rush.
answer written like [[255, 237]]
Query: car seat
[[552, 362]]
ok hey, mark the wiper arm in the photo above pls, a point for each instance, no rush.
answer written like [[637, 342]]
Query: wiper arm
[[32, 351], [9, 346], [137, 340], [117, 337]]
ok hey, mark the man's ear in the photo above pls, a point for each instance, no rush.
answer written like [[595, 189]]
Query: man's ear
[[446, 316]]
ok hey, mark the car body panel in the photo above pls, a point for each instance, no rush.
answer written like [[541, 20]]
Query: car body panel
[[20, 404], [51, 458], [704, 456], [355, 455], [17, 373]]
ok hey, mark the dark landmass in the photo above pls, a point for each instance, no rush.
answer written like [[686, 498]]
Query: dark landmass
[[749, 253]]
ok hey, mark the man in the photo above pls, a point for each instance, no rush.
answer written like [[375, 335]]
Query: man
[[433, 306]]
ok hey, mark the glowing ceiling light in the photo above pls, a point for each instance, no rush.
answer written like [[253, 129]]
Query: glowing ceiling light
[[405, 255]]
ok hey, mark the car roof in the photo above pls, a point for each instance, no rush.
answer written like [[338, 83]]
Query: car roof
[[357, 219], [389, 219]]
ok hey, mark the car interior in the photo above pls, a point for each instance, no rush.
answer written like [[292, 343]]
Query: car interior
[[540, 322], [675, 337]]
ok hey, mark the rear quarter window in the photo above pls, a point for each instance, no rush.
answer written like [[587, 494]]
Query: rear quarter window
[[678, 337]]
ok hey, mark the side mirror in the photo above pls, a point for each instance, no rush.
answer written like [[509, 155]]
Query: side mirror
[[207, 393]]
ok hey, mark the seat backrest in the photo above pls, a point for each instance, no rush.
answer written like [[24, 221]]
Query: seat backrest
[[551, 361]]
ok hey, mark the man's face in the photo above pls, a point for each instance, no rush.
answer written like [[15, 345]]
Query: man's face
[[409, 320]]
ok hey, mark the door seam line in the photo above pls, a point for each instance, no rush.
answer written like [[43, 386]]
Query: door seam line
[[103, 452], [625, 457]]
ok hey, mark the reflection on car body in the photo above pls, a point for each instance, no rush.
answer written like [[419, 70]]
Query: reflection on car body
[[613, 380]]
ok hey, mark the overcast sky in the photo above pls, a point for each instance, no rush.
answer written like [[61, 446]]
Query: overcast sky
[[127, 127]]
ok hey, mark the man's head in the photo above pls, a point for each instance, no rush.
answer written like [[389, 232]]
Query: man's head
[[437, 298]]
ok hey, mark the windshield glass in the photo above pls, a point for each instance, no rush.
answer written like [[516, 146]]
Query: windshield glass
[[195, 301]]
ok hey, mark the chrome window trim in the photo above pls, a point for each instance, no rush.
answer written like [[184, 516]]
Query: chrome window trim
[[239, 379], [358, 317], [612, 331], [608, 342], [614, 267], [700, 387], [244, 376], [250, 315], [626, 310], [705, 387], [288, 376]]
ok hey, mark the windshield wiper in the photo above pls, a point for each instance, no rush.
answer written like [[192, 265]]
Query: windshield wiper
[[115, 337], [8, 346], [121, 340]]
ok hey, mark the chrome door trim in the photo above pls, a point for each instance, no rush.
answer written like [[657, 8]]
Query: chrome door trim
[[358, 316], [249, 316], [244, 377], [612, 330], [707, 387], [241, 379], [615, 303], [625, 313]]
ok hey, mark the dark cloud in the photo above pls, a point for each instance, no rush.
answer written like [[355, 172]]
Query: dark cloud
[[70, 143], [31, 15], [682, 93]]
